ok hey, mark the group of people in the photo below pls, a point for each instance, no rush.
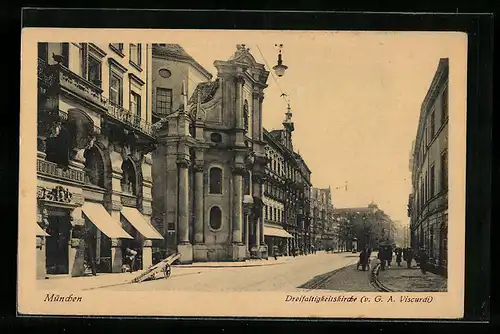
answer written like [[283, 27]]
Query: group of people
[[385, 255]]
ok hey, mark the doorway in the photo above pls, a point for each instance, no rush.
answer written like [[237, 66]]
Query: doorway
[[57, 243]]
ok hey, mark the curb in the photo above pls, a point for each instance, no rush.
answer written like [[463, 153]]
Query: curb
[[237, 266], [375, 281]]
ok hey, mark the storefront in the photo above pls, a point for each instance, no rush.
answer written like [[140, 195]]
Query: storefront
[[277, 236]]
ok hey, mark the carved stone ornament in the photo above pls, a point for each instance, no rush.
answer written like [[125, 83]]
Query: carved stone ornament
[[56, 194]]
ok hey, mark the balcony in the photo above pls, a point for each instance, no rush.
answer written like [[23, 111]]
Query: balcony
[[58, 76]]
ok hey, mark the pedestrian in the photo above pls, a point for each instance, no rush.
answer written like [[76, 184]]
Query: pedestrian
[[275, 252], [408, 257], [424, 260], [90, 244], [398, 256], [131, 254]]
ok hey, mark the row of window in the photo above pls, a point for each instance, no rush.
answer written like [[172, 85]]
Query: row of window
[[215, 181], [274, 214], [91, 70], [431, 128], [427, 185]]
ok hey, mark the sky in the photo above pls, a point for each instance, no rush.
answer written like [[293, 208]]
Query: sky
[[355, 99]]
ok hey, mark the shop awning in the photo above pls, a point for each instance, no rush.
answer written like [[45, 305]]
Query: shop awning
[[40, 232], [137, 220], [98, 215], [276, 232]]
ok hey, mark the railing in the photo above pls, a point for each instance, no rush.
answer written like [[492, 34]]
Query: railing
[[121, 114], [59, 74], [51, 169]]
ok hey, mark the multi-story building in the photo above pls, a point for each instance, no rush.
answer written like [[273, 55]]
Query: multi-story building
[[210, 163], [94, 163], [428, 202], [361, 227], [323, 223], [286, 192]]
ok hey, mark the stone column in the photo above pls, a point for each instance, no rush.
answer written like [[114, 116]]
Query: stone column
[[77, 244], [238, 248], [199, 248], [114, 205], [147, 254], [184, 247]]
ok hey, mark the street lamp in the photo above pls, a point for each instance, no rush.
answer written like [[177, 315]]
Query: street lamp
[[280, 69]]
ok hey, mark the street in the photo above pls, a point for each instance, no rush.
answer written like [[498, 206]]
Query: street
[[287, 275]]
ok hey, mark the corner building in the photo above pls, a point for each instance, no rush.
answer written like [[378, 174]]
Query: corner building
[[94, 163], [428, 202], [210, 163], [287, 190]]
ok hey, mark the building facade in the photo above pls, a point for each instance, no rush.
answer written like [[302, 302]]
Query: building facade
[[428, 202], [324, 226], [93, 157], [361, 227], [210, 162], [286, 193]]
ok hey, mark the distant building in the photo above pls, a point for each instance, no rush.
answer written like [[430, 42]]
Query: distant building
[[324, 226], [428, 202], [363, 226]]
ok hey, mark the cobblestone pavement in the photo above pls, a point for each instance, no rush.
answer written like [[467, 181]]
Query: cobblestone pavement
[[287, 276], [346, 279], [411, 280]]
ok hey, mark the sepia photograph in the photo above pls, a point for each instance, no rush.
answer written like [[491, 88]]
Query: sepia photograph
[[317, 169]]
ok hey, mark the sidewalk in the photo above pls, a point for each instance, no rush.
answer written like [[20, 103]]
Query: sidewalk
[[66, 283], [411, 280], [240, 264]]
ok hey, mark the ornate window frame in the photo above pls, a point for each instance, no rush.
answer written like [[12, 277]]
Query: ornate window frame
[[209, 216], [221, 180]]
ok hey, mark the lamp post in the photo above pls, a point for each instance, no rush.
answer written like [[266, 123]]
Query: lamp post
[[279, 68]]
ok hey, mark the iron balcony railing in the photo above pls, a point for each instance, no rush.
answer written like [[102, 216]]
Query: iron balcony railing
[[57, 74]]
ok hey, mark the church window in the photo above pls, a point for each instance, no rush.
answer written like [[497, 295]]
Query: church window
[[215, 218], [215, 176]]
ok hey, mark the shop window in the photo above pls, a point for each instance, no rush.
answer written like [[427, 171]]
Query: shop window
[[215, 218], [215, 180], [94, 167], [129, 180]]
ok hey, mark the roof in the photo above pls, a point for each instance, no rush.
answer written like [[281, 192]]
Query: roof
[[177, 52]]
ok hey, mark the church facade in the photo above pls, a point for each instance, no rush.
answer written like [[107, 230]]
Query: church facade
[[210, 165]]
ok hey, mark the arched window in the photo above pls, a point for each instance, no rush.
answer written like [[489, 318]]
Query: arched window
[[215, 218], [215, 183], [129, 180], [94, 167], [246, 183]]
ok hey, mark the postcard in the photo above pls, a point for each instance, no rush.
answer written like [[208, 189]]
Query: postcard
[[238, 173]]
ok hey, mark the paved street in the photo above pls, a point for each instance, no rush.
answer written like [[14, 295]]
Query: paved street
[[286, 275]]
